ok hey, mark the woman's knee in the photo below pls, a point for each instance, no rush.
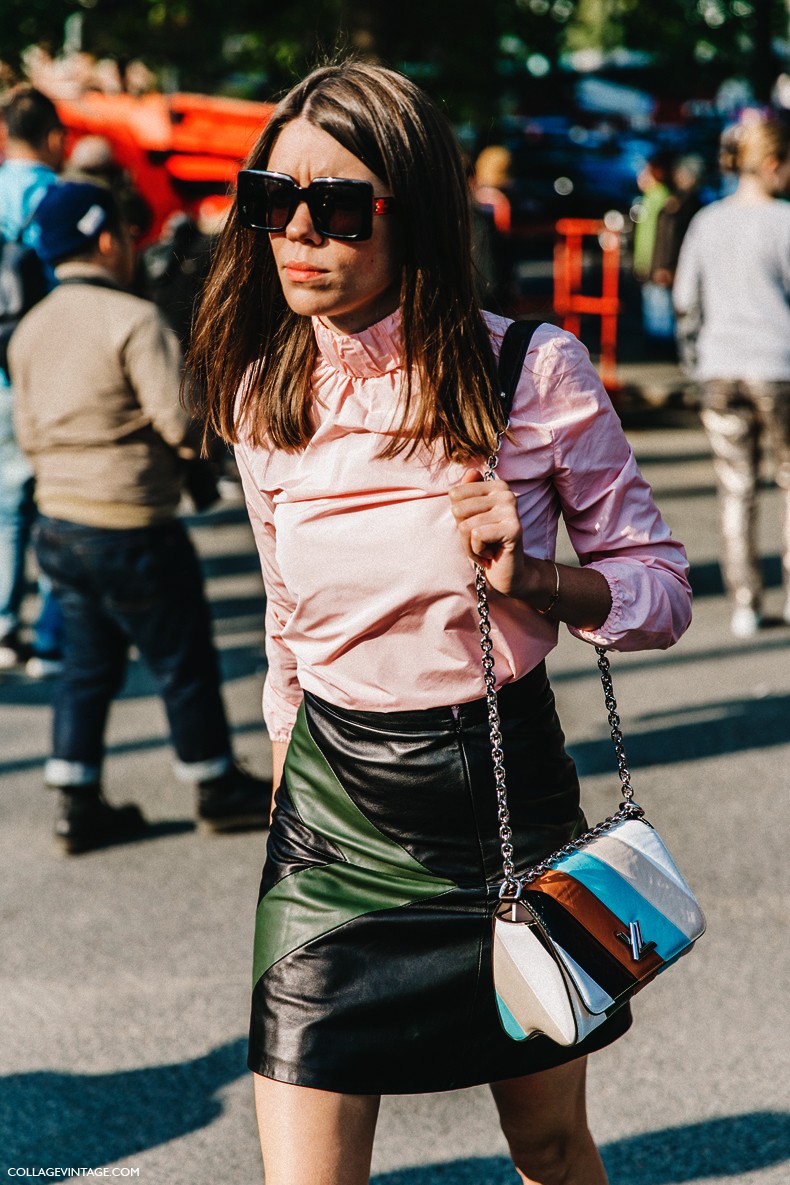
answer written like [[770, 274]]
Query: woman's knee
[[549, 1159], [544, 1119]]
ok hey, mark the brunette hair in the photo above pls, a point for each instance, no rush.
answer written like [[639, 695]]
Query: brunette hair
[[29, 115], [251, 359]]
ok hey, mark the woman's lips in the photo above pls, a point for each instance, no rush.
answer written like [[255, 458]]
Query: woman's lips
[[300, 273]]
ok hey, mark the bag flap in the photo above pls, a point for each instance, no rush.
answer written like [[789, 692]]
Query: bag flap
[[617, 912], [630, 870]]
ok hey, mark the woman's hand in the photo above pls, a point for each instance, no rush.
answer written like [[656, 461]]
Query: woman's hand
[[487, 517], [486, 514]]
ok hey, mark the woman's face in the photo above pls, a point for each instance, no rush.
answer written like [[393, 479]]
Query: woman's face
[[349, 286]]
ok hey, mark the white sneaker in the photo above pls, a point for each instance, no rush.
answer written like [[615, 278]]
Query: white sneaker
[[745, 622]]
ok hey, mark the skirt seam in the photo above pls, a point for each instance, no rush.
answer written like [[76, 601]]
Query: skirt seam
[[349, 921], [389, 838]]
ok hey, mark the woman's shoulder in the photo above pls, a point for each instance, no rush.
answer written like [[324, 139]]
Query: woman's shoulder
[[729, 212], [551, 349]]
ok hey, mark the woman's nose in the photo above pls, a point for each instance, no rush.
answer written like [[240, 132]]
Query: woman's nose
[[301, 228]]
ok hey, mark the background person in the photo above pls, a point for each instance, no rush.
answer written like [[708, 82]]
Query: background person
[[97, 374], [340, 344], [493, 181], [491, 185], [34, 149], [92, 159], [654, 182], [674, 218], [176, 265], [174, 270], [733, 281]]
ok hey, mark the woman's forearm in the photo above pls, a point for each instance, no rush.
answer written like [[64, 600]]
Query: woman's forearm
[[584, 599]]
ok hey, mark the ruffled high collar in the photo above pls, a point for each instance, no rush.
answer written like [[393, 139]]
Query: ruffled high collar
[[374, 351]]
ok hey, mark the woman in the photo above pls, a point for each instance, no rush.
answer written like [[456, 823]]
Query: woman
[[733, 280], [347, 359]]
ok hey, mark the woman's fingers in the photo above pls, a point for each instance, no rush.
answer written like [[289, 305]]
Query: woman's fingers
[[469, 507], [473, 496], [487, 540], [486, 516]]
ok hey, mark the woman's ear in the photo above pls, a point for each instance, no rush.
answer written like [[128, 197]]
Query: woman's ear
[[107, 243], [770, 167]]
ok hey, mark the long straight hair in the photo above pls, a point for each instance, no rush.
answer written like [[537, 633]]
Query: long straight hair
[[252, 358]]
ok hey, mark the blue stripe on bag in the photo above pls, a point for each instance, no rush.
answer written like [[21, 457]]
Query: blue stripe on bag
[[623, 901], [509, 1022]]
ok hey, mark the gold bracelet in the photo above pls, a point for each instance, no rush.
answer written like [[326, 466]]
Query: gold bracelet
[[555, 597]]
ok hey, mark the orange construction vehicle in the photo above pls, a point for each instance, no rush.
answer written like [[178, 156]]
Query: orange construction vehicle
[[178, 149]]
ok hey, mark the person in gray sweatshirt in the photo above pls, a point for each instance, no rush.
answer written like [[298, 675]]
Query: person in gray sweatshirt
[[733, 284]]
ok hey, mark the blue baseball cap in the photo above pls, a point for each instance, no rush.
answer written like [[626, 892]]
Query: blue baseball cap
[[70, 217]]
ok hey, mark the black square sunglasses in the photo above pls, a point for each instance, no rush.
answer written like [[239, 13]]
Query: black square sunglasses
[[340, 208]]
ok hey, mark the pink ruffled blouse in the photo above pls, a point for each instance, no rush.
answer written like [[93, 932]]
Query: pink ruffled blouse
[[370, 597]]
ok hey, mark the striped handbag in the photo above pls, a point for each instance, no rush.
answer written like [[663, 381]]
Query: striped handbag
[[586, 929], [583, 931]]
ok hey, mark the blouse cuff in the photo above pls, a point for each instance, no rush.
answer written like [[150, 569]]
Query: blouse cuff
[[612, 628], [279, 714]]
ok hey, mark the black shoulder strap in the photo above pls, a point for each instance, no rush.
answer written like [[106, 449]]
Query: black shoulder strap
[[515, 344]]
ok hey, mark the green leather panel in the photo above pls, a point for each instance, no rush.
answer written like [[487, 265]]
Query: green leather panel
[[323, 804], [378, 874]]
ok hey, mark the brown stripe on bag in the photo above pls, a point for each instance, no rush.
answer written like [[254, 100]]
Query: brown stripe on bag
[[595, 917], [570, 934]]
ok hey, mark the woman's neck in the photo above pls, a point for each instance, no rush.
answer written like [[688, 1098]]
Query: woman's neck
[[751, 191]]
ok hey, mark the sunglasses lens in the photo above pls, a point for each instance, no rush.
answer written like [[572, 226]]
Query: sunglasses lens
[[278, 203], [342, 209], [265, 203]]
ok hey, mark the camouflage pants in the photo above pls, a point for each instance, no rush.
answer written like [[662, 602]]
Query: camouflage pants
[[740, 417]]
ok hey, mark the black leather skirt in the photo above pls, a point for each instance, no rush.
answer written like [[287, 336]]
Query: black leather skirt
[[373, 933]]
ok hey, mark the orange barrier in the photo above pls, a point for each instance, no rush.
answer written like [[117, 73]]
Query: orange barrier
[[569, 300]]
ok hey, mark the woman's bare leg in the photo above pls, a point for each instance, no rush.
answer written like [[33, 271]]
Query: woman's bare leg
[[544, 1118], [314, 1137]]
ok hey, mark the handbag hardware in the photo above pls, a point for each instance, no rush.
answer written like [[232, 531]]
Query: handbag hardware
[[588, 926]]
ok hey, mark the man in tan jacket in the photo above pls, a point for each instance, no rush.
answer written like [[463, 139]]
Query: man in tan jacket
[[96, 373]]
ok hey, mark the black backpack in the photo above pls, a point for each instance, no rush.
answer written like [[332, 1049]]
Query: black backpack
[[23, 282]]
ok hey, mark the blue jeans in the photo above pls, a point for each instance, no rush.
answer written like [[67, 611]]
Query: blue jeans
[[116, 588], [658, 315], [17, 515]]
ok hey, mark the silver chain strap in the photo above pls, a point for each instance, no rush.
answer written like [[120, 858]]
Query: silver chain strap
[[497, 753], [512, 886]]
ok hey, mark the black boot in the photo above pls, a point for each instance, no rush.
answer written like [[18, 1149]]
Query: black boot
[[235, 801], [85, 821]]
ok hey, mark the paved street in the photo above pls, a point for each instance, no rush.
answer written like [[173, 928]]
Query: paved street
[[125, 973]]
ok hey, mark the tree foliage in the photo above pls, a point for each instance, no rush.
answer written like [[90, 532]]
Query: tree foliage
[[474, 54]]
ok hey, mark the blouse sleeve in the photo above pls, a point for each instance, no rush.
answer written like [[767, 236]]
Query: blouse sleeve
[[612, 520], [282, 694]]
